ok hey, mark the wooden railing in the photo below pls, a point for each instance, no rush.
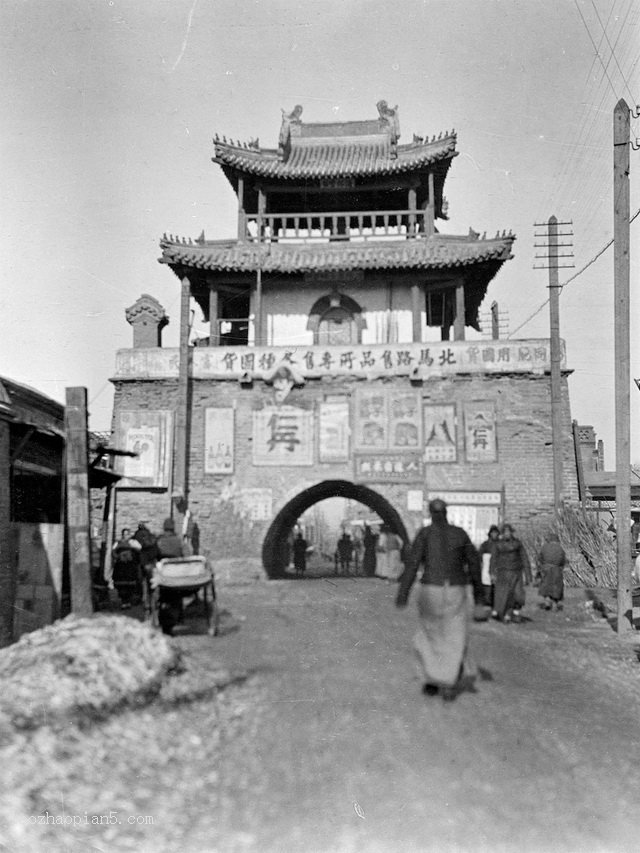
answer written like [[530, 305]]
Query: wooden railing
[[341, 226]]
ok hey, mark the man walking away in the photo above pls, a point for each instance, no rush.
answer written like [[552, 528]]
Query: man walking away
[[450, 562]]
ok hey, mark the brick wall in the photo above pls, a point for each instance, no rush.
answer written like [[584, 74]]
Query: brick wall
[[524, 468]]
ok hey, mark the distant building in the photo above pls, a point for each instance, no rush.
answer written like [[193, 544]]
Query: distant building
[[337, 361]]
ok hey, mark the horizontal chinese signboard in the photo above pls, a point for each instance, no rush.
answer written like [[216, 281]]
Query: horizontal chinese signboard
[[421, 360], [389, 468]]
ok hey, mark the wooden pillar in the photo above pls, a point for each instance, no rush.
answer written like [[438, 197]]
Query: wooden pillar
[[259, 335], [412, 215], [621, 273], [181, 443], [459, 319], [78, 520], [8, 579], [417, 298], [242, 225], [214, 325], [431, 208]]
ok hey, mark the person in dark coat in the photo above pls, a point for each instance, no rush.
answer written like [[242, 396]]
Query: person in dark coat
[[148, 548], [369, 542], [345, 552], [551, 562], [450, 563], [300, 554], [126, 568], [486, 552], [510, 563], [169, 545]]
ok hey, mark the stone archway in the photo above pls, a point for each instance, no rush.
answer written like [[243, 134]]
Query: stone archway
[[274, 553]]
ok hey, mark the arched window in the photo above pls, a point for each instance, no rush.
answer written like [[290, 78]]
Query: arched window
[[337, 327], [336, 320]]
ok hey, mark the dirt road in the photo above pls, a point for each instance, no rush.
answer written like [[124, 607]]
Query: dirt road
[[329, 746], [350, 756]]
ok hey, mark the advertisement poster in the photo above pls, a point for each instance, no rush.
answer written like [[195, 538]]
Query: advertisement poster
[[480, 431], [371, 420], [405, 421], [218, 441], [334, 431], [283, 435], [440, 433], [148, 434]]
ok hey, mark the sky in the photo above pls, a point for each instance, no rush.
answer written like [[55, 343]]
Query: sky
[[110, 108]]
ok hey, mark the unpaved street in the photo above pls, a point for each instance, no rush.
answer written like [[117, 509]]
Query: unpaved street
[[330, 746], [350, 756]]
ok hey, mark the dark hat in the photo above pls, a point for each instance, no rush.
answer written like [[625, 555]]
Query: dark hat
[[169, 525], [494, 527], [437, 505]]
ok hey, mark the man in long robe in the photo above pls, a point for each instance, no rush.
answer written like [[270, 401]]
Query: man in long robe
[[450, 563]]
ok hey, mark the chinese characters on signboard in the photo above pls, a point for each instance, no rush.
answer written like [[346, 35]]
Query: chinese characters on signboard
[[440, 433], [218, 441], [333, 428], [148, 434], [389, 467], [480, 431], [283, 435]]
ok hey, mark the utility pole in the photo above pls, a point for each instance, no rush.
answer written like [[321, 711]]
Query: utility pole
[[621, 205], [77, 471], [553, 264]]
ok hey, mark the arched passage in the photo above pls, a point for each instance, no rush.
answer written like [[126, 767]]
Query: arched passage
[[274, 552]]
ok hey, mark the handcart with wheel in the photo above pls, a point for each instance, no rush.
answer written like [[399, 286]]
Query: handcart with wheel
[[176, 578]]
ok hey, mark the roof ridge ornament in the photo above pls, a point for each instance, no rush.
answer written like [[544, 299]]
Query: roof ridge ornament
[[390, 120], [285, 128]]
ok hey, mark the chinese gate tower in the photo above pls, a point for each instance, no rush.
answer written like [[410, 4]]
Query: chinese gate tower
[[338, 360]]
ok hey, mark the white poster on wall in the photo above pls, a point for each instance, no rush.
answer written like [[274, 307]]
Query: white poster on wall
[[218, 440]]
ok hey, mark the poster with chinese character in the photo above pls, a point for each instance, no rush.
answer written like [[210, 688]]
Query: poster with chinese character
[[440, 433], [405, 420], [371, 419], [283, 435], [218, 441], [334, 431], [148, 434], [480, 431]]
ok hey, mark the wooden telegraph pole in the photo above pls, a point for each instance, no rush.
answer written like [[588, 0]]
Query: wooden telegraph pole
[[78, 521], [621, 211], [553, 265], [180, 493]]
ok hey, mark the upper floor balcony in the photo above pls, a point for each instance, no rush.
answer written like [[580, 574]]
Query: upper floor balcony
[[336, 226]]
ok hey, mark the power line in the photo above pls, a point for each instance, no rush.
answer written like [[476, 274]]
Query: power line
[[569, 280]]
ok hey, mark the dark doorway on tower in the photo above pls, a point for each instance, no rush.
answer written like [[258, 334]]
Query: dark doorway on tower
[[348, 531], [233, 312]]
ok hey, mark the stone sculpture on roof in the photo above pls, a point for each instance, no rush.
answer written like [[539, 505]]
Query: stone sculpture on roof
[[287, 120], [389, 118]]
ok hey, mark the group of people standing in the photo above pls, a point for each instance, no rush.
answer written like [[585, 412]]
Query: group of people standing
[[506, 570], [135, 556], [449, 567]]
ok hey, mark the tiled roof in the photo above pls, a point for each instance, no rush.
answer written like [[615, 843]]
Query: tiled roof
[[437, 252], [334, 157]]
